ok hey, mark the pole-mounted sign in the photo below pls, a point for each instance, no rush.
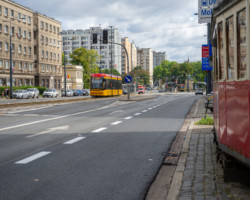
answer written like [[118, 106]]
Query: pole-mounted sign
[[205, 10]]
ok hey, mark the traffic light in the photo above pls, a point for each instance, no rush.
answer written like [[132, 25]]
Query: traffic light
[[105, 37], [94, 38]]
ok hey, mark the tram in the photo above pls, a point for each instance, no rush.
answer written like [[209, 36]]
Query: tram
[[230, 29], [181, 87], [104, 85]]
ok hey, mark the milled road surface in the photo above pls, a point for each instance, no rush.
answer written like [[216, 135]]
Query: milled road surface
[[105, 149]]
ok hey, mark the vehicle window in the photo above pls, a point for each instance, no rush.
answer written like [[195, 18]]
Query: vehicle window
[[241, 44], [230, 48], [221, 51], [96, 83]]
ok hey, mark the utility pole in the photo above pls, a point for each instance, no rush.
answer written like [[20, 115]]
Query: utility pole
[[111, 57], [209, 73]]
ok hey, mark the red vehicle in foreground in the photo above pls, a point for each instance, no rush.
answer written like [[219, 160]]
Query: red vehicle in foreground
[[231, 95], [141, 89]]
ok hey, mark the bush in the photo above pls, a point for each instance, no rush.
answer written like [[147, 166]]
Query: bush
[[205, 121]]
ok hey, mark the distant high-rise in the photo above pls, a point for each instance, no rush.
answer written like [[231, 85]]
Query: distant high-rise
[[158, 58], [74, 39]]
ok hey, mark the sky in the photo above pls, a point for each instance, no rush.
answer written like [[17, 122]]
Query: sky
[[163, 25]]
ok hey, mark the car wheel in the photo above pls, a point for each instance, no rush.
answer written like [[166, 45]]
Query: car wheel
[[33, 96]]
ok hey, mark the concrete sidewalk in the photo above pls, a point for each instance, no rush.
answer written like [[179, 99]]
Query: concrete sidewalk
[[198, 174]]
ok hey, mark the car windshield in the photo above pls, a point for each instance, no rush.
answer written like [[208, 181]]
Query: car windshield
[[97, 83], [30, 89], [19, 91], [49, 90]]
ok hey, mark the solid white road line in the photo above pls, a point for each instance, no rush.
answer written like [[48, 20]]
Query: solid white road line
[[34, 157], [99, 130], [74, 140], [130, 117], [137, 113], [117, 122]]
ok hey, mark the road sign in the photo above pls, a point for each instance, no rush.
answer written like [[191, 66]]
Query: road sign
[[128, 79], [205, 58], [205, 10]]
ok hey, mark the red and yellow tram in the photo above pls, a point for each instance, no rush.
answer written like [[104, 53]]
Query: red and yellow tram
[[231, 61], [104, 85]]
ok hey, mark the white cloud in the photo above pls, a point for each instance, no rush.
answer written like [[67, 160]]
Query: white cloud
[[168, 25]]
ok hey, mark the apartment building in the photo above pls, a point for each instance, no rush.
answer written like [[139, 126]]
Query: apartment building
[[145, 60], [158, 58], [16, 21], [28, 39], [126, 60], [47, 51], [133, 56], [111, 53]]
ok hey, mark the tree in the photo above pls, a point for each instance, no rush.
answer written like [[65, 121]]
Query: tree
[[108, 71], [140, 76], [87, 59]]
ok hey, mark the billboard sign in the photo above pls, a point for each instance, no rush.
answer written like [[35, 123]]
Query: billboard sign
[[205, 10]]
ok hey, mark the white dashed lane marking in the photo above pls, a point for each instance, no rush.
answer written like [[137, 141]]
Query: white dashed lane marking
[[74, 140], [130, 117], [99, 130], [34, 157], [144, 111], [137, 113], [117, 122]]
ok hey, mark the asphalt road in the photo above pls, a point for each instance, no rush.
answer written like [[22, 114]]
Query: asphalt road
[[103, 149]]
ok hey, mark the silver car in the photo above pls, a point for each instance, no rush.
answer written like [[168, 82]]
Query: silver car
[[69, 93], [20, 94], [50, 93], [33, 92]]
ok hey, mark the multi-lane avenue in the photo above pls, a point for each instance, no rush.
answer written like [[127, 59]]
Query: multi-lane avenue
[[91, 150]]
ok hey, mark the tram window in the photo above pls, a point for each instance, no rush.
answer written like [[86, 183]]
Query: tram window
[[241, 44], [230, 48], [221, 51], [96, 83]]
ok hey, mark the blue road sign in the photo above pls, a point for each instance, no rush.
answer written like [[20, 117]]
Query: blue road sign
[[128, 79]]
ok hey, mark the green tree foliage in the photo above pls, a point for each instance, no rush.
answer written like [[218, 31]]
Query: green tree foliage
[[108, 71], [87, 59], [176, 70], [140, 76]]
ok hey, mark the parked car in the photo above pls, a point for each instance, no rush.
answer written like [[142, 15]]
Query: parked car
[[161, 90], [33, 92], [124, 91], [79, 92], [50, 93], [209, 101], [74, 92], [199, 91], [85, 92], [69, 93], [20, 94]]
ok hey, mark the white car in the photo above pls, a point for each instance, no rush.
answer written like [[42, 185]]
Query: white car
[[33, 92], [69, 93], [50, 93], [20, 94]]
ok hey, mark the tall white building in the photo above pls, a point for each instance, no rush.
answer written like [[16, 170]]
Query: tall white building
[[111, 53]]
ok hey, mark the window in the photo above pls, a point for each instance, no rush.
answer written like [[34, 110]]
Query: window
[[29, 20], [0, 28], [6, 29], [19, 32], [6, 12], [230, 48], [41, 24], [54, 42], [24, 34], [54, 29], [58, 56], [50, 42], [12, 13], [50, 55], [1, 63], [13, 47], [54, 56], [24, 18], [30, 50], [20, 66], [19, 16], [42, 38], [241, 44], [1, 45], [29, 35], [7, 64], [50, 28], [12, 30], [0, 10], [46, 26], [47, 54], [42, 53], [43, 68], [25, 50], [6, 46], [20, 49], [30, 67], [47, 68], [221, 51], [46, 40]]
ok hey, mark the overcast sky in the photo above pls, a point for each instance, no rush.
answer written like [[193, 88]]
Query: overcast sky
[[163, 25]]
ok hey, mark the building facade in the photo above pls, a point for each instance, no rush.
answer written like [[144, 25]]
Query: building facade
[[158, 58], [20, 24], [74, 77], [145, 60], [110, 53], [133, 56], [126, 59]]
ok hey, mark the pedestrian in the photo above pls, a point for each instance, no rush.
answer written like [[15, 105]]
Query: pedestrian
[[7, 93]]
